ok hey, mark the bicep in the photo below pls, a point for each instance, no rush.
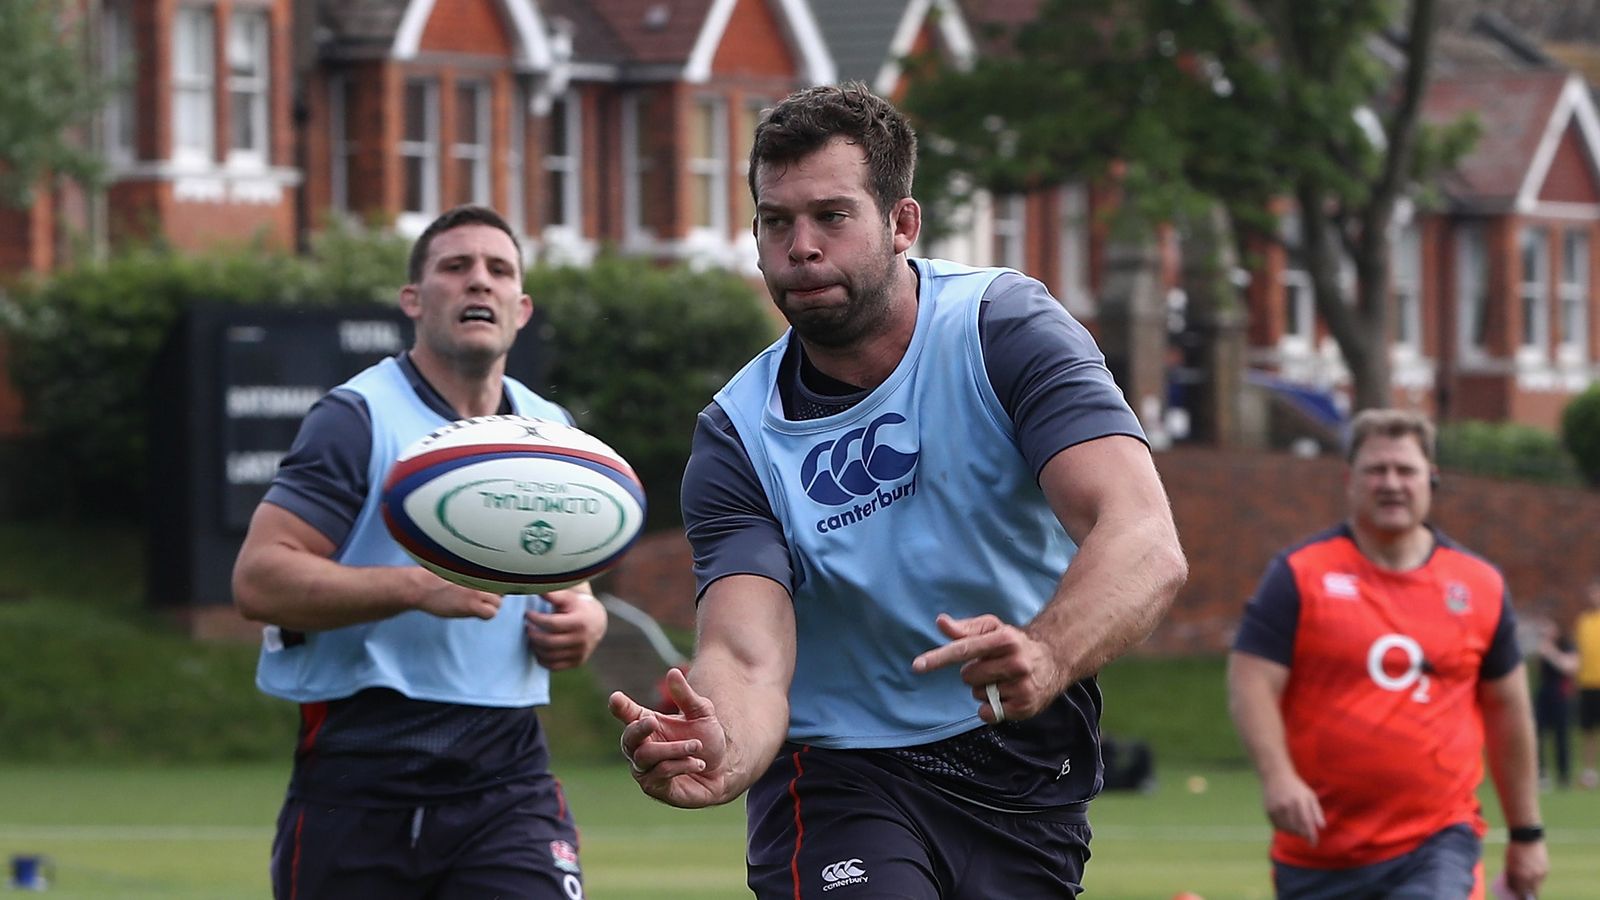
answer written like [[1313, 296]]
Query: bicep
[[1506, 695], [1108, 478], [1250, 675], [274, 528]]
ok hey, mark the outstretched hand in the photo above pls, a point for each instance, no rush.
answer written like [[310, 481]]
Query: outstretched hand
[[680, 758], [1021, 667]]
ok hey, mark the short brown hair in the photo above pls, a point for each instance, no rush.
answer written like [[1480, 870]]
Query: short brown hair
[[449, 220], [1390, 423], [807, 119]]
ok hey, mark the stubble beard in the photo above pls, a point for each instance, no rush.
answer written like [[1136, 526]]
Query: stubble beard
[[864, 313]]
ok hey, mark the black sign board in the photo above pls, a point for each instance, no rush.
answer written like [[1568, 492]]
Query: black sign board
[[228, 393], [272, 370]]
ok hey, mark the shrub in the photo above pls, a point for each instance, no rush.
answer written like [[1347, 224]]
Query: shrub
[[638, 350], [1580, 433], [1505, 450], [83, 342]]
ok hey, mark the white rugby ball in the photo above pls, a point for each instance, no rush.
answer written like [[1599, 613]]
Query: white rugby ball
[[513, 505]]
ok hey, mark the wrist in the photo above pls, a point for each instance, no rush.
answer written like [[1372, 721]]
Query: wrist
[[1525, 834]]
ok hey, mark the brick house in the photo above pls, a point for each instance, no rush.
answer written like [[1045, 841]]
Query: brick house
[[626, 124], [1495, 303], [588, 123]]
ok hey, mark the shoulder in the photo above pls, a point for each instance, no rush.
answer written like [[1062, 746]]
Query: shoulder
[[1456, 561]]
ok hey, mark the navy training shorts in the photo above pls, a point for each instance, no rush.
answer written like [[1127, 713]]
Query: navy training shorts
[[513, 840], [840, 825], [1446, 865]]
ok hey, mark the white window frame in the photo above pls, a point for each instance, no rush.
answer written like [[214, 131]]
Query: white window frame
[[1008, 237], [474, 153], [425, 151], [340, 147], [564, 166], [1074, 249], [1533, 298], [751, 117], [117, 60], [1572, 293], [194, 107], [1406, 278], [517, 158], [1299, 303], [710, 174], [249, 59], [635, 168], [1472, 290]]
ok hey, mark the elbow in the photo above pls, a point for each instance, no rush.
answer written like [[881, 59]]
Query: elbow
[[248, 598], [1171, 568]]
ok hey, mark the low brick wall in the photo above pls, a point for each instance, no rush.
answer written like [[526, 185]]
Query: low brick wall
[[1236, 509]]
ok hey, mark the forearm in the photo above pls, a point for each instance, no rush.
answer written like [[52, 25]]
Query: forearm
[[1259, 722], [752, 703], [305, 592], [1120, 584], [1513, 761]]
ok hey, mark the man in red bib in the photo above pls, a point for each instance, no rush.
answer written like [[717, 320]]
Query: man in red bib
[[1374, 668]]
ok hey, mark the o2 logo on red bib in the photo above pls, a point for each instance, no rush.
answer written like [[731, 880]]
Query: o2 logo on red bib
[[1412, 671]]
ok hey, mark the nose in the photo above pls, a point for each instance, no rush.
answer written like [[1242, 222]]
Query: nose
[[804, 245], [478, 278]]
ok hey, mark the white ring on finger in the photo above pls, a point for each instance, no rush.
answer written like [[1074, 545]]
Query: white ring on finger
[[993, 690]]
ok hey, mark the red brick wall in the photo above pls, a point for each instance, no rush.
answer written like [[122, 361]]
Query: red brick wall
[[1569, 179], [467, 26], [1235, 511], [753, 44], [202, 226]]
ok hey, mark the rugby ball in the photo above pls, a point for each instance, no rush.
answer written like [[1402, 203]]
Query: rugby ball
[[513, 505]]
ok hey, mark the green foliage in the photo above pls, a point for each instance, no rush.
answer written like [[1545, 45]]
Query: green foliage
[[1181, 105], [1505, 450], [47, 92], [1580, 433], [83, 342], [637, 352]]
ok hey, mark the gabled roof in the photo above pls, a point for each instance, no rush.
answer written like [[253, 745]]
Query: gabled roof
[[1523, 117], [359, 23], [868, 40], [680, 37], [593, 39], [394, 28]]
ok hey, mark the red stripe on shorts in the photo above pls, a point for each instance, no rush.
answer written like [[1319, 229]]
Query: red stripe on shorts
[[799, 826], [312, 715], [294, 863]]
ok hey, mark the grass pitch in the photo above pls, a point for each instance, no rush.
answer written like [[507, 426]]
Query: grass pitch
[[203, 833]]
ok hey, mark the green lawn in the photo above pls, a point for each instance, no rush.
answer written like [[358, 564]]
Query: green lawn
[[204, 832]]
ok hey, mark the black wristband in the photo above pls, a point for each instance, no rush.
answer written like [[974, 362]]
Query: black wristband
[[1525, 834]]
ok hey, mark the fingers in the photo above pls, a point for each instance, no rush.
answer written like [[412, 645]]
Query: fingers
[[972, 639], [646, 747], [693, 705]]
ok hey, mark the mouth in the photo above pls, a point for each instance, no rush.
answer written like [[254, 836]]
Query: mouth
[[806, 292], [477, 313]]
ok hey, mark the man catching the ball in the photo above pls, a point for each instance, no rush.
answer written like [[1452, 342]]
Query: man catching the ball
[[421, 769], [894, 656]]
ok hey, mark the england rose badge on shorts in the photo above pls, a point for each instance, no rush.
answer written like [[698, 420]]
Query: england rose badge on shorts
[[564, 855]]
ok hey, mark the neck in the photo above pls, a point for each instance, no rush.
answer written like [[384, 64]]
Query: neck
[[1393, 551], [469, 393], [870, 361]]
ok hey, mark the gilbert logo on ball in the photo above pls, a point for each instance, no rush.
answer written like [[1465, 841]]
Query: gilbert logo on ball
[[513, 505]]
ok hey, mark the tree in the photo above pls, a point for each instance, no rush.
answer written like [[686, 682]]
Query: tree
[[48, 95], [1189, 104]]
